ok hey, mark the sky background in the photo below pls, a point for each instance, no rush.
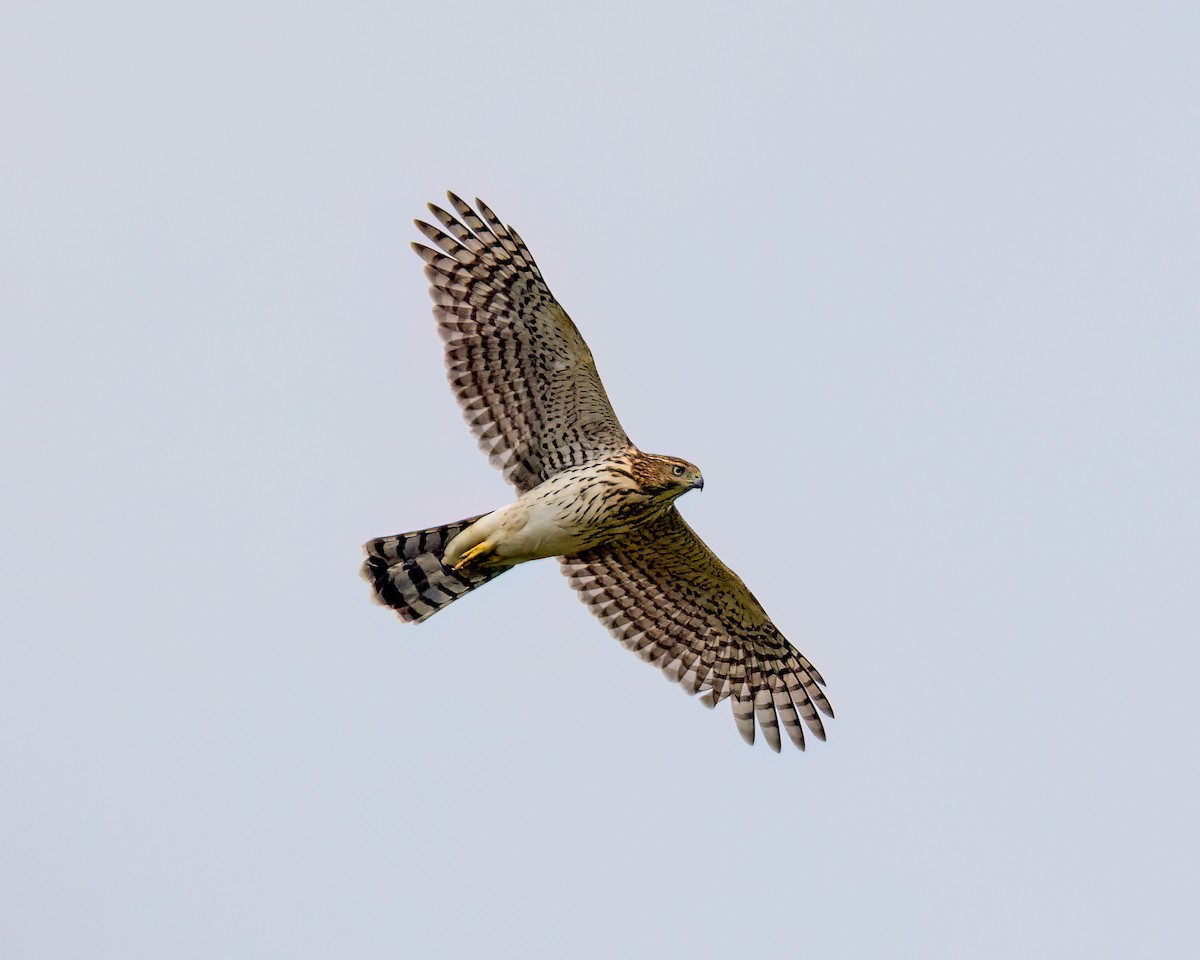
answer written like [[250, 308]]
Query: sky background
[[915, 285]]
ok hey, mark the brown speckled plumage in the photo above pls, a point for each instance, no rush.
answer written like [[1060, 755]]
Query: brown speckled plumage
[[529, 390]]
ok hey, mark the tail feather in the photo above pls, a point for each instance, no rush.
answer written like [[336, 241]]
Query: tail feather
[[407, 573]]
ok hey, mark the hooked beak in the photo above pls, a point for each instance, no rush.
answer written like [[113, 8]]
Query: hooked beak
[[699, 484]]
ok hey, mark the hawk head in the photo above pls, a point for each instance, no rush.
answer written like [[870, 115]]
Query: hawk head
[[665, 478]]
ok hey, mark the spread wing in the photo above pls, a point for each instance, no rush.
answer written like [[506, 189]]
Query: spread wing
[[523, 375], [666, 597]]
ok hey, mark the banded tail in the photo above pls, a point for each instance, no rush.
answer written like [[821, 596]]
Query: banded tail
[[407, 574]]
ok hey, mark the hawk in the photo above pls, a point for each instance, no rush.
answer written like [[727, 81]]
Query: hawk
[[529, 390]]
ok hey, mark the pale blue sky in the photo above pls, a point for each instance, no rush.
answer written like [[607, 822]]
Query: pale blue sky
[[915, 285]]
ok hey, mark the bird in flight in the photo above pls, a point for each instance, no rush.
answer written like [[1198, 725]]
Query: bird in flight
[[529, 390]]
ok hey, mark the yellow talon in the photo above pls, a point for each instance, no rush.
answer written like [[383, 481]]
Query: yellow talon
[[481, 552]]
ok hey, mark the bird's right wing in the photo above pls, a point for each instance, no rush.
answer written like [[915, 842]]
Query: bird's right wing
[[522, 373], [668, 598]]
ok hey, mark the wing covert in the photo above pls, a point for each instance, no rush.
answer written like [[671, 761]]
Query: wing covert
[[667, 597], [521, 371]]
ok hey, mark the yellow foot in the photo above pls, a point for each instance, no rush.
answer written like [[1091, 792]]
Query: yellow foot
[[479, 557]]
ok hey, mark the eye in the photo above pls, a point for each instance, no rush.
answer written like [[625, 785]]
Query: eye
[[677, 470]]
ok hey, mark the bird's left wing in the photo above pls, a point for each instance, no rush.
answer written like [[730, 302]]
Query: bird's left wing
[[668, 598], [522, 373]]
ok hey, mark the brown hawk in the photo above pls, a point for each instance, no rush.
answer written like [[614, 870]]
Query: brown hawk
[[529, 389]]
